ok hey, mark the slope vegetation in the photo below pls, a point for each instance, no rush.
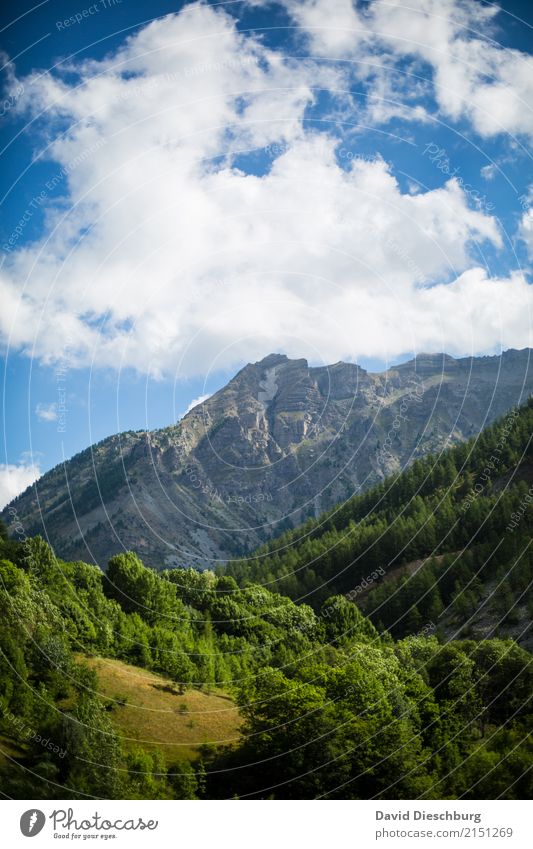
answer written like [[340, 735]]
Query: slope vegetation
[[446, 544], [327, 706]]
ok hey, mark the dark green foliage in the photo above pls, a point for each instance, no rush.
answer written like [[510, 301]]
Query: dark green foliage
[[468, 513], [332, 706]]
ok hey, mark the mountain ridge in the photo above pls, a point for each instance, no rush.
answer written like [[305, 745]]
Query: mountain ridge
[[281, 442]]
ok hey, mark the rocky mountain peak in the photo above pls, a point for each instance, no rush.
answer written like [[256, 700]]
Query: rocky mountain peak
[[271, 360], [282, 441]]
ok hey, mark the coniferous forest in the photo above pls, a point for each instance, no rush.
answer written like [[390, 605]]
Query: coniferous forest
[[380, 651]]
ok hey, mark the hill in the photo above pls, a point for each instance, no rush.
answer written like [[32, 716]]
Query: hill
[[329, 708], [154, 712], [446, 544], [280, 443]]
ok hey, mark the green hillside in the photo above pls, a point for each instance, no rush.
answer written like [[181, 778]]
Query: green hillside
[[158, 714], [320, 705], [446, 545]]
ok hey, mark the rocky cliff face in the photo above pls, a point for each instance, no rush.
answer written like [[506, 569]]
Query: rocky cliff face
[[281, 442]]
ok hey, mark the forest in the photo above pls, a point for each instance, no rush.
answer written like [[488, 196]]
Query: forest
[[331, 707], [467, 513]]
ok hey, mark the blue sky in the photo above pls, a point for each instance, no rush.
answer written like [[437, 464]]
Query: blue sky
[[187, 187]]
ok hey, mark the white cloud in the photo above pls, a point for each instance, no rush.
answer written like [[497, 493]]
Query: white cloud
[[334, 27], [315, 260], [15, 478], [473, 77], [46, 412], [488, 172], [195, 402], [526, 230]]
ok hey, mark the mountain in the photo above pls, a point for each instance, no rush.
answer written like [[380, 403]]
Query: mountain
[[280, 443], [443, 548]]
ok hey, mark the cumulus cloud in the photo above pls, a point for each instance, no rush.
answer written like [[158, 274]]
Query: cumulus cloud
[[195, 402], [15, 478], [526, 231], [473, 76], [169, 256], [334, 27], [488, 172], [46, 412]]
